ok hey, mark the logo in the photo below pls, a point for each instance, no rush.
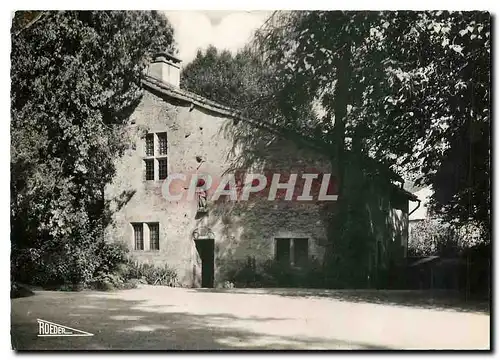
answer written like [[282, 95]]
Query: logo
[[241, 186], [47, 328]]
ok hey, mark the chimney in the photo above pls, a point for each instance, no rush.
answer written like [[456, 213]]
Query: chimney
[[166, 68]]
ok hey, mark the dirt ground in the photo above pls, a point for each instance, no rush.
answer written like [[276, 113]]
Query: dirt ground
[[153, 318]]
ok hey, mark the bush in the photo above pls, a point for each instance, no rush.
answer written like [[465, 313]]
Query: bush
[[107, 282], [249, 273], [150, 274], [68, 268], [431, 237], [112, 256]]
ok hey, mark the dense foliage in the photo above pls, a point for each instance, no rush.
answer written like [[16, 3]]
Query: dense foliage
[[410, 90], [270, 273], [430, 237], [75, 80], [130, 273]]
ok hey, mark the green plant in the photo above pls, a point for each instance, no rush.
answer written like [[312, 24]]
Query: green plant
[[150, 274], [111, 256], [270, 273], [431, 237], [113, 281], [82, 71]]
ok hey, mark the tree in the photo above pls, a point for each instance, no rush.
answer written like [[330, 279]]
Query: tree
[[76, 77], [431, 237], [215, 75], [230, 80], [405, 89], [410, 88]]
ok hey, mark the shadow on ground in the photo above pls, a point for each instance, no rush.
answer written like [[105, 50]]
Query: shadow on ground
[[141, 325], [425, 299]]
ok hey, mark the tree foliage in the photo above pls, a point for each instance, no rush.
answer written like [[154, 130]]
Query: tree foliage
[[431, 237], [216, 75], [410, 89], [76, 77]]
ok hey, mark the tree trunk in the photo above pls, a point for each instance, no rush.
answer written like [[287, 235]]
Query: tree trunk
[[338, 164]]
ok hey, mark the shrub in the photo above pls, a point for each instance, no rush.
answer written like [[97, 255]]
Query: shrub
[[269, 273], [112, 256], [111, 281], [74, 262], [431, 237], [150, 274]]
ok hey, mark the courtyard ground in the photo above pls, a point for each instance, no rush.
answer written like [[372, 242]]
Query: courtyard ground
[[152, 318]]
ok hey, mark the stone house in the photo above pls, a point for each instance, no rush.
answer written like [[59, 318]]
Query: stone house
[[174, 131]]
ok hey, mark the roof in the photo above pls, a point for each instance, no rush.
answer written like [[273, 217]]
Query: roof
[[410, 186], [188, 97], [408, 194], [168, 56]]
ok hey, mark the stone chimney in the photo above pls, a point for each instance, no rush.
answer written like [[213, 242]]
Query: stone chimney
[[166, 68]]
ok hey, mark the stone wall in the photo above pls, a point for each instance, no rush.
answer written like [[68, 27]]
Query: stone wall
[[200, 141]]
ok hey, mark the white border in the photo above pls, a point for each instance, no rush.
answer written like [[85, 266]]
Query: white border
[[182, 5]]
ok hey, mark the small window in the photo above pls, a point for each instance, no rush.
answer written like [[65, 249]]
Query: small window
[[138, 237], [154, 236], [283, 251], [162, 143], [300, 252], [162, 168], [150, 145], [150, 170]]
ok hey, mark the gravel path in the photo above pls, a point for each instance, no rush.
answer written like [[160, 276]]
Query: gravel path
[[194, 319]]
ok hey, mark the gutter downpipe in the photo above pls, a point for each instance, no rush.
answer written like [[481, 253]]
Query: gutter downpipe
[[418, 205]]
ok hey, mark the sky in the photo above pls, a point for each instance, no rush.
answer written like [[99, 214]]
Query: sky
[[229, 30]]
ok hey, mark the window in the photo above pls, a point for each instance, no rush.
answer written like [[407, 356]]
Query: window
[[156, 153], [138, 237], [300, 252], [283, 250], [154, 236], [162, 168], [162, 143], [152, 230], [292, 251], [150, 170], [150, 145]]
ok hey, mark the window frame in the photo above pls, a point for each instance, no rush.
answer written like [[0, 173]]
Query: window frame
[[136, 227], [147, 147], [156, 242], [158, 156], [160, 162], [304, 260], [277, 254], [162, 136], [291, 260], [146, 172]]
